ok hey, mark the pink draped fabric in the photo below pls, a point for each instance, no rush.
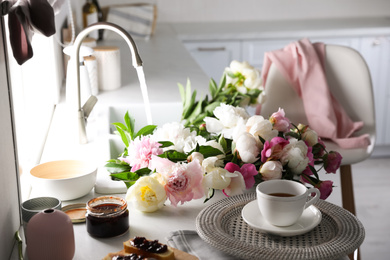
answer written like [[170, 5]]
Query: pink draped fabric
[[302, 64]]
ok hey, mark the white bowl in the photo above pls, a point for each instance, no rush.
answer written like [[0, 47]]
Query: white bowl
[[65, 180]]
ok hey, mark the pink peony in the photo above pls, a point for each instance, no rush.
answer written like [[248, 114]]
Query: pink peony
[[326, 188], [248, 171], [183, 181], [141, 151], [332, 162], [279, 121], [273, 148]]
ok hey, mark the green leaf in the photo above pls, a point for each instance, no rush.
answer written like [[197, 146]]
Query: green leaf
[[254, 92], [235, 158], [114, 167], [120, 125], [126, 176], [213, 88], [232, 75], [165, 144], [188, 92], [209, 151], [313, 170], [210, 107], [123, 136], [174, 156], [223, 143], [189, 101], [196, 111], [146, 130], [182, 93], [130, 122], [143, 171], [222, 83], [262, 140]]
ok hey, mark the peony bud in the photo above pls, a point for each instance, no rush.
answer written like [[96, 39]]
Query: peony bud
[[271, 170], [332, 162], [326, 188]]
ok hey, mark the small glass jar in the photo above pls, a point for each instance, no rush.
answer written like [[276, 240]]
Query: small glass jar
[[107, 216]]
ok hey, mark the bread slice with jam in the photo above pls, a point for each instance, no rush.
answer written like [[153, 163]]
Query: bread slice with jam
[[149, 248]]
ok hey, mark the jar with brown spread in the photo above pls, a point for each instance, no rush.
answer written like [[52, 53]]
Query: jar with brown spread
[[107, 216]]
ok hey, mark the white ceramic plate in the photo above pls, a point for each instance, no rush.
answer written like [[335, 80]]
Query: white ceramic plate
[[310, 218]]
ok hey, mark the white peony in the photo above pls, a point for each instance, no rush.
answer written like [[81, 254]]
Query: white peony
[[258, 126], [176, 133], [251, 76], [247, 148], [271, 170], [227, 118], [239, 130], [236, 186], [295, 156], [308, 135], [191, 141], [147, 194], [216, 177]]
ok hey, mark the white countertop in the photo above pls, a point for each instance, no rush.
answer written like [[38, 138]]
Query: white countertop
[[155, 225]]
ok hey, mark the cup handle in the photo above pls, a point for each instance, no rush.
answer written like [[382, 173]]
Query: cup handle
[[313, 199]]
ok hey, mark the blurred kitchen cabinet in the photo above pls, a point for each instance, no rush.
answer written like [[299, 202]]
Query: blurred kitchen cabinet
[[376, 52], [214, 56], [253, 50]]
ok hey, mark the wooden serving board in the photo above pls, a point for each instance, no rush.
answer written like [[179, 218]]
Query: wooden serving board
[[179, 255]]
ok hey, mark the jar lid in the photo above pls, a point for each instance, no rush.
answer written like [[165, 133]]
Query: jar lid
[[76, 212], [106, 206]]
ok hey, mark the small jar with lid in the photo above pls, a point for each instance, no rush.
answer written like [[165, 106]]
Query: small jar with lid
[[107, 216]]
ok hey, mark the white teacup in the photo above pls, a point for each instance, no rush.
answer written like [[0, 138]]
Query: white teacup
[[282, 202]]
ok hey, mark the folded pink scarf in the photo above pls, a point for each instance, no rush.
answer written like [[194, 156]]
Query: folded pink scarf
[[302, 64]]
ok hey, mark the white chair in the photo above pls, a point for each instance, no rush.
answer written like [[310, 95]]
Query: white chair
[[349, 81]]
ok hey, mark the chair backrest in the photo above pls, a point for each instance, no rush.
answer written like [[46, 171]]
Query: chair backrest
[[349, 80]]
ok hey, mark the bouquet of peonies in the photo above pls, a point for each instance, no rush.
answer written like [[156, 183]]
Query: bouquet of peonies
[[218, 146]]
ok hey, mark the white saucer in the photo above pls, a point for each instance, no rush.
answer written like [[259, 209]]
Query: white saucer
[[310, 218]]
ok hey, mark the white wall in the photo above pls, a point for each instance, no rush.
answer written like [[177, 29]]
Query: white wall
[[244, 10]]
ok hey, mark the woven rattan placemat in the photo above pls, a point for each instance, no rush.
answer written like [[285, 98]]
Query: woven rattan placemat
[[221, 225]]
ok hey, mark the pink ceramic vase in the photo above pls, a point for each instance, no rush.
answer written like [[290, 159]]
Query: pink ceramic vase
[[50, 236]]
